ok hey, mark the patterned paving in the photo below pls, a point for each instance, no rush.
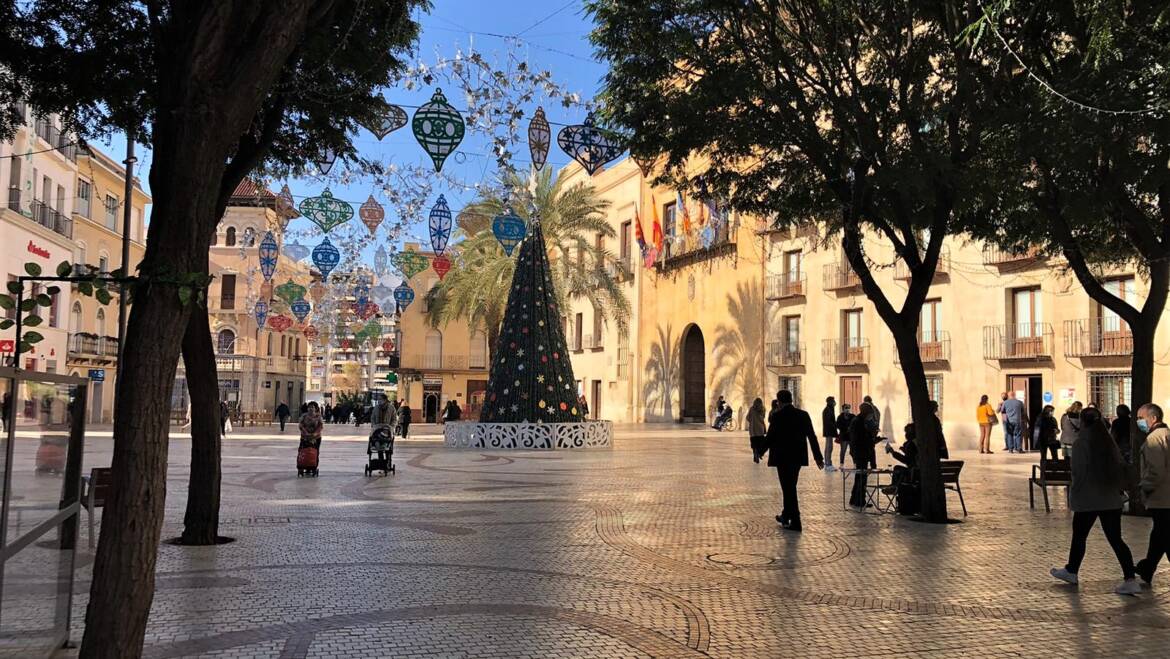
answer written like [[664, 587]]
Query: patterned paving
[[664, 546]]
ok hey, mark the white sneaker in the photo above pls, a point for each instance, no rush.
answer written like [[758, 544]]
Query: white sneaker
[[1063, 575], [1128, 587]]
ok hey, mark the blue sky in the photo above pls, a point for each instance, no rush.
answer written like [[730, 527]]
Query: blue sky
[[554, 37]]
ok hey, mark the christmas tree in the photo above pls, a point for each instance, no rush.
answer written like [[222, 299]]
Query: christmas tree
[[531, 377]]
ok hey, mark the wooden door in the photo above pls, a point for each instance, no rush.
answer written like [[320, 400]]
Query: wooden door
[[595, 404], [851, 391], [694, 403]]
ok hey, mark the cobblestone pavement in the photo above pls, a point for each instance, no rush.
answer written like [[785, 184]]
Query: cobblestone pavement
[[663, 546]]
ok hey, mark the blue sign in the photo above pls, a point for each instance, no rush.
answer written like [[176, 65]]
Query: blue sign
[[1047, 397], [97, 374]]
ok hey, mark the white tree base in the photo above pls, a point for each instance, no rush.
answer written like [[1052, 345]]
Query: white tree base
[[549, 436]]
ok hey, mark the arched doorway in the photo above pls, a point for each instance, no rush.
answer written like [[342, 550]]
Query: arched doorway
[[430, 407], [694, 376]]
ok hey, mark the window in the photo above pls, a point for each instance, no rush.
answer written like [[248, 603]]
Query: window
[[283, 345], [668, 225], [791, 326], [84, 194], [297, 348], [270, 344], [851, 327], [103, 264], [136, 224], [433, 347], [1123, 288], [75, 318], [54, 320], [229, 237], [227, 292], [934, 387], [1027, 312], [61, 199], [81, 255], [10, 314], [111, 212], [625, 241], [597, 328], [225, 342], [1108, 389], [931, 323], [578, 327], [792, 266], [478, 350], [101, 322], [792, 383]]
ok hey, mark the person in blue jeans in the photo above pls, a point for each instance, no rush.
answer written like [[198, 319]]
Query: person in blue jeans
[[1013, 423]]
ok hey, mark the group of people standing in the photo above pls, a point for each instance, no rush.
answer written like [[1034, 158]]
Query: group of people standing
[[1052, 437]]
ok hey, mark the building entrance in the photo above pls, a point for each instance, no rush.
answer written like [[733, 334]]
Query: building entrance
[[694, 372]]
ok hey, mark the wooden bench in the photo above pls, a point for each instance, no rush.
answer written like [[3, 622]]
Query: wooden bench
[[1049, 473], [95, 488], [950, 469]]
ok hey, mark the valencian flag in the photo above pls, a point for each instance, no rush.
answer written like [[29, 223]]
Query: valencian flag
[[656, 231]]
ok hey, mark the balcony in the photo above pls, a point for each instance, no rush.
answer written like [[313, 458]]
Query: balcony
[[620, 269], [108, 346], [933, 348], [56, 139], [840, 276], [782, 287], [779, 354], [993, 255], [902, 271], [84, 343], [425, 362], [1097, 337], [14, 198], [593, 341], [682, 250], [50, 219], [1018, 341], [845, 352]]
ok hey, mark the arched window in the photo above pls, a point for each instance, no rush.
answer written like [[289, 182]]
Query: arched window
[[229, 237], [225, 342], [249, 237], [101, 322], [75, 318], [434, 349], [103, 262], [478, 357], [81, 255]]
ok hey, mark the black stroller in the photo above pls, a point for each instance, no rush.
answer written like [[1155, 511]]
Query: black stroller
[[380, 451]]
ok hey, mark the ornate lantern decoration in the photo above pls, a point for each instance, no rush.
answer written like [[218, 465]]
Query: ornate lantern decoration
[[280, 323], [438, 127], [366, 310], [381, 260], [539, 138], [325, 161], [325, 211], [388, 345], [382, 293], [403, 295], [294, 251], [261, 312], [317, 291], [300, 309], [268, 254], [266, 291], [440, 225], [387, 121], [441, 265], [509, 229], [590, 146], [372, 214], [326, 257], [310, 332], [373, 329], [290, 291], [285, 206], [411, 263]]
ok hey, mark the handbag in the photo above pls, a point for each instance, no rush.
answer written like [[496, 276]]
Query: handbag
[[994, 419]]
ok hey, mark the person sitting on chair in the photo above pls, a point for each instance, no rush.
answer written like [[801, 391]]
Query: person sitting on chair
[[907, 471], [723, 414]]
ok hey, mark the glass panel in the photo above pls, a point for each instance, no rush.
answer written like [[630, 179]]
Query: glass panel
[[1023, 311], [42, 419]]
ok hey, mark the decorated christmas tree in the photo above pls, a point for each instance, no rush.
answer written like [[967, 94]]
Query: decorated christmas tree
[[531, 377]]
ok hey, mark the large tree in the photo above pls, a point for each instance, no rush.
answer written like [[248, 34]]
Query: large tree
[[1084, 151], [218, 89], [864, 115]]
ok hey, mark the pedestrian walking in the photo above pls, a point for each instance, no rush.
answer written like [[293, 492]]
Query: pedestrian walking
[[225, 413], [327, 415], [452, 412], [1155, 486], [1044, 433], [757, 430], [1013, 422], [1070, 426], [282, 414], [843, 420], [863, 437], [788, 430], [583, 404], [829, 431], [986, 417], [404, 419], [1119, 430], [1095, 494]]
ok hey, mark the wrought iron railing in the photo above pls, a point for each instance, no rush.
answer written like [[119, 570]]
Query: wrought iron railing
[[995, 255], [933, 347], [1097, 337], [845, 352], [840, 275], [902, 271], [779, 287], [1018, 341], [780, 353], [51, 219]]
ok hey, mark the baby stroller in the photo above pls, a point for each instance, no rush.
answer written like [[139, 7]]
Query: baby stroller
[[380, 451], [307, 457]]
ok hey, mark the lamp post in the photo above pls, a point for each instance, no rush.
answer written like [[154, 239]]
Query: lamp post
[[127, 203]]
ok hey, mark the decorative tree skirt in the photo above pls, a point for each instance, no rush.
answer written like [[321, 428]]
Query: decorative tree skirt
[[551, 436]]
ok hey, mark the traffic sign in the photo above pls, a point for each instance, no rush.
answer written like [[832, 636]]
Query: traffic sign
[[97, 374]]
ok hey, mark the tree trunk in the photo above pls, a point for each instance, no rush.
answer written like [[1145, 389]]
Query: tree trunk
[[934, 497], [201, 522]]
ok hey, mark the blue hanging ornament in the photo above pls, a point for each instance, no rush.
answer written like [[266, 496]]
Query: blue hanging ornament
[[509, 229], [295, 251], [440, 225], [382, 294], [403, 295], [590, 146], [326, 257], [381, 260], [361, 293], [438, 127], [268, 254], [300, 309], [261, 312]]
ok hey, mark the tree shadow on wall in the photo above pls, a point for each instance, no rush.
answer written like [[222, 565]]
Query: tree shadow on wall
[[662, 377], [738, 351]]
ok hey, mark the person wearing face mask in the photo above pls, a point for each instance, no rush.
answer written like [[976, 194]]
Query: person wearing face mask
[[1155, 486], [1070, 426]]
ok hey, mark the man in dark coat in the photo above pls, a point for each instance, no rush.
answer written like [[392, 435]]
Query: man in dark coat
[[829, 429], [788, 430]]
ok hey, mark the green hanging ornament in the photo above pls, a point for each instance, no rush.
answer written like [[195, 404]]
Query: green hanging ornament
[[290, 291], [325, 211], [438, 127], [411, 263]]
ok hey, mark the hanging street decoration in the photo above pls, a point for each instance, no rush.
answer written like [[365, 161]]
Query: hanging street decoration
[[366, 310], [440, 225], [326, 257], [539, 138], [285, 206], [373, 329], [372, 214], [590, 146], [261, 312], [268, 253], [403, 295], [441, 265], [310, 332], [387, 121], [438, 127], [381, 293], [325, 211], [509, 229], [361, 293], [280, 323], [325, 162], [300, 309], [381, 260], [410, 263], [266, 291], [345, 344], [317, 291], [644, 164], [294, 251], [388, 345], [290, 291]]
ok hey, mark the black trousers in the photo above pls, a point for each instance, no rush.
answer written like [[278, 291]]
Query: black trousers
[[789, 475], [1111, 525], [282, 422], [1159, 539], [405, 429], [1053, 448]]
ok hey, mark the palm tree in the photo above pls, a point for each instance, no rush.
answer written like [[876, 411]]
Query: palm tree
[[476, 288]]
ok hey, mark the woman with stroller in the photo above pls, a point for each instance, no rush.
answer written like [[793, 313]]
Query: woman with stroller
[[310, 427]]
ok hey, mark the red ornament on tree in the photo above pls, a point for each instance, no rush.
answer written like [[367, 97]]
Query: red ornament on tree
[[441, 265]]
